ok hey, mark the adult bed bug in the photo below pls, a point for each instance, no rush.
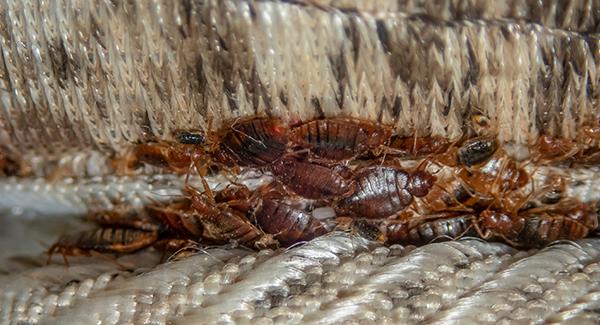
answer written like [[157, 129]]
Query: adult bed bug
[[337, 139], [382, 191]]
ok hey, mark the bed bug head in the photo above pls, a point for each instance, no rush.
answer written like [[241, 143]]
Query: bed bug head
[[420, 182]]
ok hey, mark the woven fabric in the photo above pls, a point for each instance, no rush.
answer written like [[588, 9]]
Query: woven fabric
[[332, 279]]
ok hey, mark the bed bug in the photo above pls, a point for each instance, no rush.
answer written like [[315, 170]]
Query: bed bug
[[416, 147], [178, 217], [311, 180], [286, 222], [382, 191], [496, 224], [13, 166], [222, 224], [172, 156], [103, 240], [124, 216], [233, 192], [567, 219], [542, 229], [553, 149], [417, 230], [255, 141], [337, 139], [449, 226], [476, 151], [190, 149], [498, 176], [537, 229]]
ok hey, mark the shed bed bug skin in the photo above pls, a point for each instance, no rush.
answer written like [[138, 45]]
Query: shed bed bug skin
[[338, 139], [103, 240], [382, 191], [255, 141], [178, 217], [221, 224], [123, 216], [310, 180]]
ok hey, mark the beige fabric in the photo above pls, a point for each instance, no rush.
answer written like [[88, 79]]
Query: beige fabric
[[333, 279]]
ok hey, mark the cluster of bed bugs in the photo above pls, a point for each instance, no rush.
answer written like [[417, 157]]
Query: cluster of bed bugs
[[355, 167]]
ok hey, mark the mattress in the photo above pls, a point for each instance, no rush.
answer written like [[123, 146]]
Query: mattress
[[80, 81]]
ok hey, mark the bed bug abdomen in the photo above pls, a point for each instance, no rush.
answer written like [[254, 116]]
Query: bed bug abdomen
[[443, 228], [414, 147], [540, 230], [311, 180], [105, 240], [339, 138], [287, 224], [381, 191], [477, 150]]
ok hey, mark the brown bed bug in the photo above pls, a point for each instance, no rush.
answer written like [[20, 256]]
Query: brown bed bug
[[552, 149], [500, 174], [567, 220], [222, 224], [341, 138], [255, 141], [234, 193], [311, 180], [417, 147], [172, 156], [417, 230], [125, 216], [443, 227], [13, 166], [103, 240], [476, 151], [286, 222], [178, 217], [190, 149], [382, 191], [542, 229], [496, 224]]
